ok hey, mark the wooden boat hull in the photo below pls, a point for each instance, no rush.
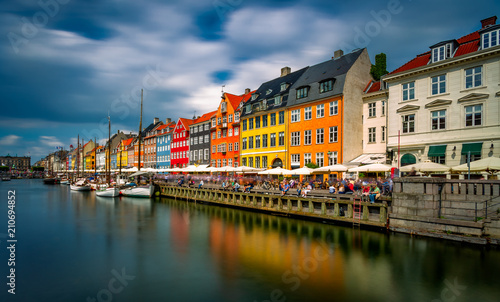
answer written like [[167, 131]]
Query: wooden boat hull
[[142, 191], [108, 192], [80, 188]]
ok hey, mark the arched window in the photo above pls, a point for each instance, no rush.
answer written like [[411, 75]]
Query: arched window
[[277, 163], [408, 159]]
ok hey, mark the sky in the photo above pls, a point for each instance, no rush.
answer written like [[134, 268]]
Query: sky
[[67, 64]]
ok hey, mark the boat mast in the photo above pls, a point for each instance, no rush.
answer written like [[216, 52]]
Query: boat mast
[[108, 158], [95, 159], [140, 132], [78, 158]]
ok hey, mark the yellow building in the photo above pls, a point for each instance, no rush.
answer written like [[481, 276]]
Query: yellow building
[[264, 134]]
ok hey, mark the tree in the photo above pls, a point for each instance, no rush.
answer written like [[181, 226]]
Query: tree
[[379, 69], [312, 166]]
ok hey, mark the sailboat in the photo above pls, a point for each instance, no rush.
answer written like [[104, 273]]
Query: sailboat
[[139, 191], [81, 184], [108, 191]]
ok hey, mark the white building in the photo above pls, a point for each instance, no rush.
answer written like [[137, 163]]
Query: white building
[[445, 102]]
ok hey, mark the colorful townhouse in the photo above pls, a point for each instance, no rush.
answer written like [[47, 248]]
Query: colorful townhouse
[[225, 130], [199, 140], [122, 153], [130, 153], [86, 148], [163, 139], [180, 143], [90, 159], [324, 111], [101, 158], [145, 133], [264, 131], [444, 104], [150, 144], [113, 144]]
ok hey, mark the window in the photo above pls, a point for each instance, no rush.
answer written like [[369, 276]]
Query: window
[[218, 163], [250, 161], [326, 86], [409, 91], [438, 120], [408, 123], [218, 133], [383, 133], [372, 109], [320, 159], [218, 121], [333, 158], [200, 154], [244, 143], [230, 132], [264, 120], [283, 86], [307, 137], [281, 117], [295, 117], [490, 39], [320, 134], [207, 127], [438, 84], [438, 159], [277, 100], [257, 122], [224, 133], [383, 107], [257, 162], [230, 118], [250, 123], [307, 158], [230, 147], [250, 142], [230, 162], [264, 140], [320, 111], [213, 148], [257, 141], [295, 138], [473, 115], [273, 119], [264, 161], [244, 161], [224, 162], [442, 52], [473, 77], [236, 117], [295, 159], [372, 135], [333, 134], [213, 123], [244, 125], [236, 146], [273, 140], [236, 131], [334, 108], [302, 92], [281, 139]]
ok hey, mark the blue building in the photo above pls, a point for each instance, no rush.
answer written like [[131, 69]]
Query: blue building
[[164, 137]]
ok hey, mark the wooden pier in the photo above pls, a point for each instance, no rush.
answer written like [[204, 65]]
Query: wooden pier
[[338, 210]]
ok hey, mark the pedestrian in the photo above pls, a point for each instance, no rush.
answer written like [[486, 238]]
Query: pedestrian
[[201, 184], [374, 193]]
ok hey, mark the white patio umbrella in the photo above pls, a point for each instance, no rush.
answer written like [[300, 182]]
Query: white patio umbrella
[[276, 171], [372, 168], [485, 164], [245, 169], [190, 168], [227, 169], [426, 166], [332, 168], [302, 171]]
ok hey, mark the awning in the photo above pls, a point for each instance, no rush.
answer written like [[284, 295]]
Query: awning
[[437, 151], [408, 159], [370, 158], [474, 148]]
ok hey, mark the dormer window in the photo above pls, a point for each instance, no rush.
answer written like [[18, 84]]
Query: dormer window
[[443, 50], [283, 87], [490, 38], [302, 92], [269, 91], [264, 104], [326, 86], [254, 96], [248, 108], [277, 100]]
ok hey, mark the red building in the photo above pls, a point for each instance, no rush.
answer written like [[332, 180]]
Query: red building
[[180, 143]]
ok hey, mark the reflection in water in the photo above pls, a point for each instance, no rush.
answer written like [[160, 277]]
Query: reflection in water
[[182, 251]]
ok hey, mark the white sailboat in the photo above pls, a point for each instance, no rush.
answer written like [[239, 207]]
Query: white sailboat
[[107, 190], [80, 185], [144, 190]]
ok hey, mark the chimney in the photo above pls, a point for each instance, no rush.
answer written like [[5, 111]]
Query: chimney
[[285, 71], [156, 120], [489, 21], [168, 121], [337, 54], [247, 90]]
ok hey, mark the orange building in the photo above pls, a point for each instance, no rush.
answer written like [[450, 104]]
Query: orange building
[[325, 111], [225, 130]]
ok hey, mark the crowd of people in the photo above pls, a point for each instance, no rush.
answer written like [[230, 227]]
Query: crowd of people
[[369, 188]]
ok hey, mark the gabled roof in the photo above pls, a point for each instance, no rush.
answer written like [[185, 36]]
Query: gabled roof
[[372, 86], [466, 44], [205, 117], [235, 100], [127, 142], [185, 122]]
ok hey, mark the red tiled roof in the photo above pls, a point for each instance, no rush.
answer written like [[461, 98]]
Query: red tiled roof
[[235, 100], [127, 141], [466, 44], [205, 117], [372, 87], [162, 127], [186, 122]]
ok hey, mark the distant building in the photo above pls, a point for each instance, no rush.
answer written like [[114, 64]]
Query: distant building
[[19, 163]]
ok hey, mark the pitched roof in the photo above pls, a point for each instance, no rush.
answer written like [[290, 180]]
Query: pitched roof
[[372, 86], [235, 100], [466, 44], [333, 69], [127, 141], [186, 122], [205, 117]]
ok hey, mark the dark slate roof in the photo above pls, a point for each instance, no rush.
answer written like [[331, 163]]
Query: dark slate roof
[[335, 69], [149, 128], [274, 89]]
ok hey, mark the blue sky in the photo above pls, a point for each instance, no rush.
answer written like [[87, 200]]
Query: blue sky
[[67, 63]]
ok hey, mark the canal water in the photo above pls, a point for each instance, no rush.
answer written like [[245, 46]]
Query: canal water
[[74, 246]]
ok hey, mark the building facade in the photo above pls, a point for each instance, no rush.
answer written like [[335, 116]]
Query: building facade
[[444, 104], [199, 140], [20, 163], [180, 143]]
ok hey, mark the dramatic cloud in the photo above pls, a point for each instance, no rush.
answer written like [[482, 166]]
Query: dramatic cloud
[[9, 140]]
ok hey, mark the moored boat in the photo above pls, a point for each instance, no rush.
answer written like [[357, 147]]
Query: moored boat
[[80, 185], [49, 181], [139, 191], [108, 192]]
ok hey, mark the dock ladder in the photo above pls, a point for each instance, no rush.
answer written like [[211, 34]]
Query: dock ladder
[[356, 211]]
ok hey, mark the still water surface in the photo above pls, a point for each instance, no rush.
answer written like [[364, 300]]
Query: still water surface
[[74, 246]]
